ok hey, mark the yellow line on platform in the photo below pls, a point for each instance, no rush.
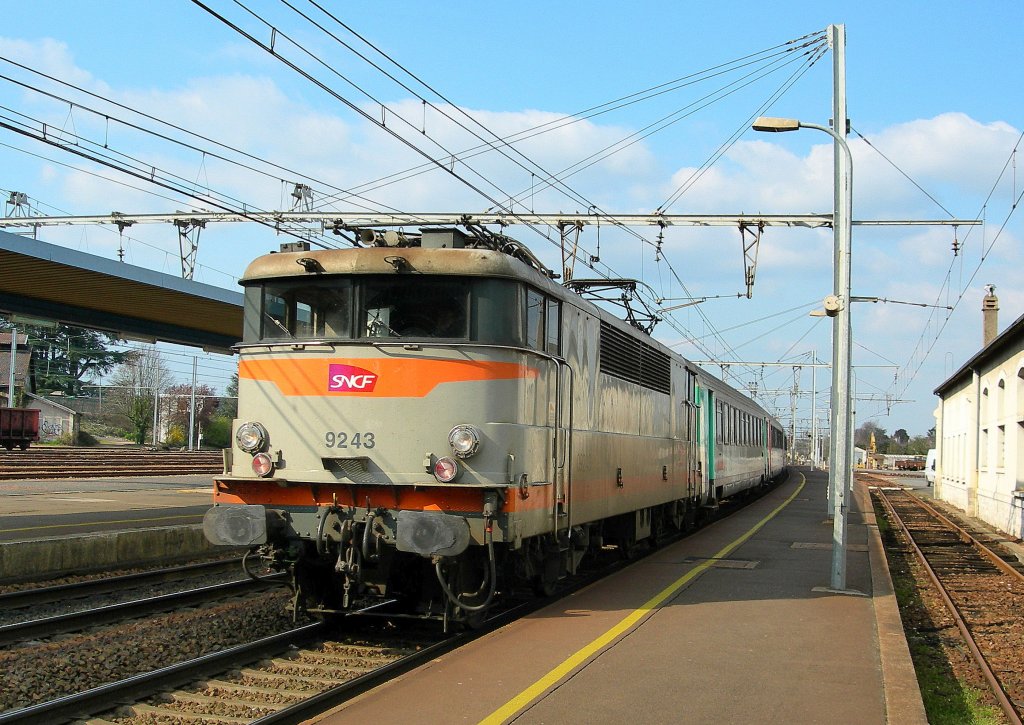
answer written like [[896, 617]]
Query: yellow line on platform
[[531, 693], [94, 523]]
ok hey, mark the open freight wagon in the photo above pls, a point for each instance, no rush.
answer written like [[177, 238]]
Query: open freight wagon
[[18, 427]]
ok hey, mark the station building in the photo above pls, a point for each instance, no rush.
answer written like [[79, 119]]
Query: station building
[[979, 428]]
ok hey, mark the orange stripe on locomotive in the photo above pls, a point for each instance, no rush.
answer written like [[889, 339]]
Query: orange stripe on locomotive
[[395, 378]]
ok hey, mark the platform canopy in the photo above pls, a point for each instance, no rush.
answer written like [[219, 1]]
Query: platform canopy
[[48, 282]]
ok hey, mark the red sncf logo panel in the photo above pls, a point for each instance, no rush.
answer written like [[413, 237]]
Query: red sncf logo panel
[[350, 379]]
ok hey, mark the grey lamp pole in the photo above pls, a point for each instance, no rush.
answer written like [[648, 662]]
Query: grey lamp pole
[[841, 471]]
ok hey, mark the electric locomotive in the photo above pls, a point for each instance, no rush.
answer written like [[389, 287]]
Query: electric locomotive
[[428, 420]]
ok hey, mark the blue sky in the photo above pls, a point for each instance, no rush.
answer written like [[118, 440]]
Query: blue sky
[[934, 86]]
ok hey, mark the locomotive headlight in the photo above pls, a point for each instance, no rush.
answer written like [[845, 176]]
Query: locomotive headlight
[[251, 437], [464, 440], [262, 465], [446, 469]]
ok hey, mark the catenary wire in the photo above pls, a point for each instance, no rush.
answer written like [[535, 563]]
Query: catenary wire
[[346, 193]]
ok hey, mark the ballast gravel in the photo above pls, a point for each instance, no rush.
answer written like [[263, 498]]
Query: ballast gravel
[[34, 674]]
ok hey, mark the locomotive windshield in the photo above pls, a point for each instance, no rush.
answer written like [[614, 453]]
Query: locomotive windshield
[[371, 307]]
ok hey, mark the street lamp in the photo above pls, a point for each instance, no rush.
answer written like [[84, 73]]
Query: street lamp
[[841, 456]]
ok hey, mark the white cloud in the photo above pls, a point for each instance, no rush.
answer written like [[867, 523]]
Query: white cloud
[[48, 56]]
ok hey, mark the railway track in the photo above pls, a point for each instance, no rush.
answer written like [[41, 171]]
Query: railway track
[[99, 699], [981, 589], [45, 462], [60, 624], [284, 678], [36, 596]]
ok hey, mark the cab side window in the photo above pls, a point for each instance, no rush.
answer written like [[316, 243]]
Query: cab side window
[[553, 326], [543, 328], [534, 319]]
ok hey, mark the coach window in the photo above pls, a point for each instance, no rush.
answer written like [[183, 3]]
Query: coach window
[[718, 423]]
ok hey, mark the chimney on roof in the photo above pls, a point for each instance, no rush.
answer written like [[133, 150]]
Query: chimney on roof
[[989, 315]]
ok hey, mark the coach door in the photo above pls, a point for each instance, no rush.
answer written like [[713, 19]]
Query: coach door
[[562, 449], [692, 410], [712, 423], [765, 451]]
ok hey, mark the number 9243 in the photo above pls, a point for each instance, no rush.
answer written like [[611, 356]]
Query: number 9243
[[350, 440]]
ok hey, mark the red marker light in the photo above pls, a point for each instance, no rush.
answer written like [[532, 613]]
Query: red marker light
[[445, 470], [262, 464]]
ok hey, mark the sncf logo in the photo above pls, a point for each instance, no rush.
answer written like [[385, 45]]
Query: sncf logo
[[350, 379]]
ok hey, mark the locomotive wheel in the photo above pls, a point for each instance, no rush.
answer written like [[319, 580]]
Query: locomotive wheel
[[677, 515], [545, 583]]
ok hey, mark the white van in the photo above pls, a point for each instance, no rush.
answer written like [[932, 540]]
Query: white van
[[929, 467]]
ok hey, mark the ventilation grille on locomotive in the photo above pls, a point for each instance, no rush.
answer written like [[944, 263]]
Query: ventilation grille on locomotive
[[626, 358]]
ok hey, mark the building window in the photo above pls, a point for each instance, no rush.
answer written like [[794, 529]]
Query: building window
[[1019, 447], [1020, 395], [1001, 446], [1019, 452], [983, 449]]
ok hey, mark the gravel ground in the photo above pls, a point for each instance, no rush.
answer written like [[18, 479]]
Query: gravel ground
[[79, 662]]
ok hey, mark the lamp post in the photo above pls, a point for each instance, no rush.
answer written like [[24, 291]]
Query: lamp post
[[838, 307]]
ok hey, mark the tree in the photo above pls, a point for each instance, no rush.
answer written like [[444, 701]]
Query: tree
[[135, 385], [862, 438], [63, 357], [218, 431], [919, 445], [229, 408], [901, 437], [178, 400]]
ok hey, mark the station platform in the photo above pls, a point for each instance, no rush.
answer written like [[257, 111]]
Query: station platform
[[733, 624], [32, 509], [54, 527]]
